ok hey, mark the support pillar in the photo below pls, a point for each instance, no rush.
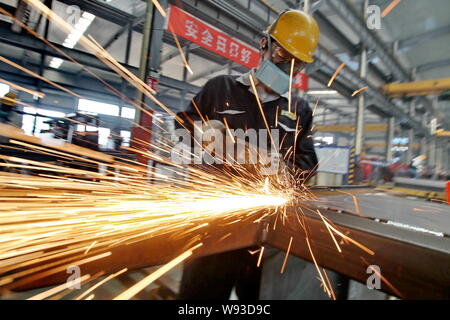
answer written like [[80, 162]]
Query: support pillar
[[183, 92], [447, 158], [307, 6], [150, 63], [423, 146], [389, 139], [145, 53], [432, 152], [359, 133], [149, 67], [439, 156], [410, 152]]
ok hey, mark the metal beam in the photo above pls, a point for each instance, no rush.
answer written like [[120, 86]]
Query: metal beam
[[122, 30], [210, 72], [32, 44], [361, 106], [102, 10], [408, 43], [175, 52], [351, 128], [327, 58], [389, 139], [433, 65], [336, 35], [388, 107], [373, 42], [87, 84], [353, 18], [417, 88], [419, 272]]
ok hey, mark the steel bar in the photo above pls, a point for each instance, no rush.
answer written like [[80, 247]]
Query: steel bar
[[416, 265]]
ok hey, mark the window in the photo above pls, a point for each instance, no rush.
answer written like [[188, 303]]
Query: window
[[28, 124], [103, 136], [323, 141], [28, 120], [128, 113], [401, 141], [4, 89], [98, 107], [91, 129], [328, 140], [51, 113], [126, 138]]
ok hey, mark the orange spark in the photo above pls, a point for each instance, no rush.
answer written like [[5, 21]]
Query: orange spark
[[228, 129], [290, 84], [336, 74], [360, 90], [141, 285], [160, 8], [48, 293], [394, 289], [260, 256], [287, 255], [390, 7]]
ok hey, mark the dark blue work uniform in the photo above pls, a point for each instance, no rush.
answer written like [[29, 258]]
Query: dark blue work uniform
[[213, 277]]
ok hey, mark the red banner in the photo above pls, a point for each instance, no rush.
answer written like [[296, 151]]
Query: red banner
[[191, 28], [301, 81]]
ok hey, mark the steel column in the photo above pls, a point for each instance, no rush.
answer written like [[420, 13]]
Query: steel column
[[129, 41], [306, 5], [410, 152], [344, 9], [439, 155], [183, 92], [432, 152], [423, 146], [145, 53], [447, 157], [389, 138], [359, 134]]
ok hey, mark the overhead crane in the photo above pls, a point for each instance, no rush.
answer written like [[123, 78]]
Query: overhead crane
[[417, 88]]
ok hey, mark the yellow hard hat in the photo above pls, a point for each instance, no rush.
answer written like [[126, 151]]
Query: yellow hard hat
[[297, 32], [9, 99]]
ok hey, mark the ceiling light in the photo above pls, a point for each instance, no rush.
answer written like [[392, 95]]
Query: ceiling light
[[77, 32], [322, 92], [69, 44], [56, 63], [55, 66], [88, 16]]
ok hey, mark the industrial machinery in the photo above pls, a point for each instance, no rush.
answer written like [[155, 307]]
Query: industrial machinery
[[66, 129]]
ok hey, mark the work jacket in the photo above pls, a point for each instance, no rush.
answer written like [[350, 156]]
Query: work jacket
[[224, 97]]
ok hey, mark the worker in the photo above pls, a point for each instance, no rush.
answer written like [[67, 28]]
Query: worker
[[292, 38], [8, 105]]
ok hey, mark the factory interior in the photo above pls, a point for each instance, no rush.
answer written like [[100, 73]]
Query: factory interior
[[107, 193]]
